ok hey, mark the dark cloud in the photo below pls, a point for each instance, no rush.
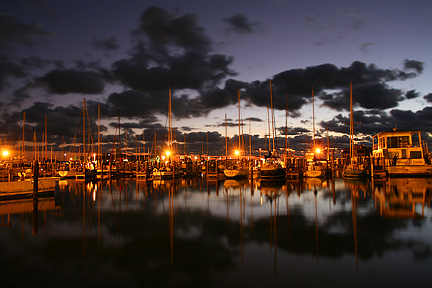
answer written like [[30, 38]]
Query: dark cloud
[[428, 97], [417, 66], [137, 104], [15, 34], [164, 29], [72, 81], [373, 121], [9, 69], [412, 94], [240, 24], [174, 51]]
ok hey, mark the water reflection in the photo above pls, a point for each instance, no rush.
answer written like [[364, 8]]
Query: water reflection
[[192, 232], [400, 197]]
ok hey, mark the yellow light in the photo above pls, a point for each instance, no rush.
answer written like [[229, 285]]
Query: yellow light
[[236, 152], [5, 153], [318, 150], [168, 153]]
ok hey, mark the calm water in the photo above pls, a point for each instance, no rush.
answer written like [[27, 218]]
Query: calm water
[[197, 234]]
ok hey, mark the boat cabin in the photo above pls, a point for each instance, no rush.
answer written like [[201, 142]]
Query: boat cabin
[[401, 147]]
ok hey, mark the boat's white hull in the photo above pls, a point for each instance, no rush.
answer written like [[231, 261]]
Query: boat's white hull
[[410, 170], [314, 173], [236, 173]]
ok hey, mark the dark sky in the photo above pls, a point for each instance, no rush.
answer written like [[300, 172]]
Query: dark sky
[[123, 56]]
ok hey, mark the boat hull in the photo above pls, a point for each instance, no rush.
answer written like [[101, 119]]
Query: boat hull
[[409, 170], [272, 174], [17, 189], [236, 173], [355, 173], [314, 173]]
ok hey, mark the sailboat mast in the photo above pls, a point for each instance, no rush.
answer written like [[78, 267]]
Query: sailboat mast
[[170, 136], [226, 138], [23, 139], [46, 139], [84, 108], [250, 139], [99, 140], [313, 118], [239, 145], [351, 124], [286, 124], [268, 120], [272, 113]]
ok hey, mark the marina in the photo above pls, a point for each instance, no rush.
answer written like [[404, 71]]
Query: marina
[[217, 144], [216, 233]]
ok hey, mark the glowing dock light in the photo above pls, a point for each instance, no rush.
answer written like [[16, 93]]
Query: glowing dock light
[[5, 153]]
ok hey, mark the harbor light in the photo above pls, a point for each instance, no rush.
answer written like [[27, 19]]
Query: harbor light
[[5, 153], [318, 150], [168, 153]]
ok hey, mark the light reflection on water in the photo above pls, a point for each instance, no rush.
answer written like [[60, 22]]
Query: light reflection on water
[[194, 232]]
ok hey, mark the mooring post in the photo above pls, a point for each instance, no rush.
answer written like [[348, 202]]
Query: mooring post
[[35, 196], [35, 177]]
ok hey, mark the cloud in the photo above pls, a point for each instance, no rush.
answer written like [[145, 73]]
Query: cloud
[[241, 25], [9, 69], [171, 51], [411, 94], [137, 104], [428, 97], [174, 51], [417, 66], [64, 81], [15, 34]]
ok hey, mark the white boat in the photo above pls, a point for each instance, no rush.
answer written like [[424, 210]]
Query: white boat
[[236, 172], [355, 169], [315, 170], [165, 173], [17, 189], [272, 170], [402, 153], [316, 166]]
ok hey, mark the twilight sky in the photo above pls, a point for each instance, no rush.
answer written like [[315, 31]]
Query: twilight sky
[[123, 55]]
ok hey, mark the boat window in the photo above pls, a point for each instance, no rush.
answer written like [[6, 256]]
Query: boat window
[[382, 143], [392, 142], [404, 154], [404, 141], [415, 155]]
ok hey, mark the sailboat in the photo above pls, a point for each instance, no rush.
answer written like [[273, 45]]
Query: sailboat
[[167, 170], [273, 168], [237, 169], [355, 168], [315, 167]]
